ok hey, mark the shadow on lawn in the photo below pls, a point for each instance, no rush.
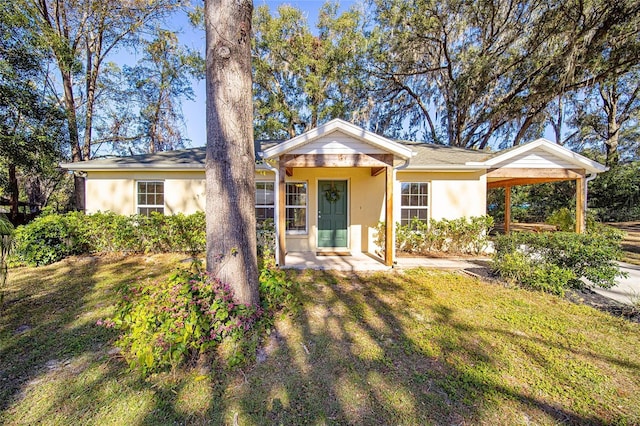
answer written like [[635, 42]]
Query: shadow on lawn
[[348, 358], [363, 349], [47, 327]]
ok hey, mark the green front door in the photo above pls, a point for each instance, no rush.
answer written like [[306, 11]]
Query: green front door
[[332, 213]]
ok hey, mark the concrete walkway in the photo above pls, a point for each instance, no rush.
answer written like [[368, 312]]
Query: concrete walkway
[[366, 262], [627, 290]]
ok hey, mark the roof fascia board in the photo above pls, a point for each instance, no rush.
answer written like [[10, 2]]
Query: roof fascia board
[[139, 168], [339, 125], [134, 169], [446, 168]]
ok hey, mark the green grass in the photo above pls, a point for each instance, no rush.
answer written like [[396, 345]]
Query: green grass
[[631, 241], [419, 347]]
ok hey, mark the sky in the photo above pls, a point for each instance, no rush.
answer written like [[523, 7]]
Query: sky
[[194, 111]]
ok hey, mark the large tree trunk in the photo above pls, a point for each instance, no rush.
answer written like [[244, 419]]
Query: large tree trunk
[[230, 162]]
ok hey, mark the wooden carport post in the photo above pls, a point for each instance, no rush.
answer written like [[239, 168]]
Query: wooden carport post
[[388, 217], [580, 208], [507, 209]]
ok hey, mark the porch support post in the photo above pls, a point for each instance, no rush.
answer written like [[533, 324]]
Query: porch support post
[[507, 209], [282, 229], [580, 210], [388, 217]]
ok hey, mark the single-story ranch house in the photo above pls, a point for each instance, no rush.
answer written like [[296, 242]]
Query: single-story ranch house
[[328, 189]]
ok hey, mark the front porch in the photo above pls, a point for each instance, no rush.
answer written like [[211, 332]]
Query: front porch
[[353, 262], [361, 262]]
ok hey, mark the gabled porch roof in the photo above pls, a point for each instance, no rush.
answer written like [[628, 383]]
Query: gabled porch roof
[[377, 142], [541, 153]]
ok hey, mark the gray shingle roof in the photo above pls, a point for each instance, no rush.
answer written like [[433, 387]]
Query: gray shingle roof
[[190, 158], [431, 155], [427, 156]]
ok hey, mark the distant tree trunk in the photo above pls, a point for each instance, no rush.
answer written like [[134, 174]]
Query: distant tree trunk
[[613, 127], [613, 157], [13, 192], [230, 161], [74, 139]]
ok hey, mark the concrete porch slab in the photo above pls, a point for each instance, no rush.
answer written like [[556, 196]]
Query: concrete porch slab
[[354, 262]]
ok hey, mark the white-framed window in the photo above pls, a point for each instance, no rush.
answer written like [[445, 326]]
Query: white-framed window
[[150, 196], [414, 202], [265, 201], [296, 207]]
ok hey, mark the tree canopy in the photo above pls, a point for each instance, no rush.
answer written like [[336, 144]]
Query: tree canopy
[[30, 122], [474, 73], [481, 75], [302, 78]]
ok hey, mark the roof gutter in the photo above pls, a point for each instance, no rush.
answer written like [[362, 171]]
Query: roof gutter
[[591, 177], [393, 228], [276, 210]]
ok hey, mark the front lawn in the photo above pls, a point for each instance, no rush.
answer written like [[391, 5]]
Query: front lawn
[[631, 242], [418, 347]]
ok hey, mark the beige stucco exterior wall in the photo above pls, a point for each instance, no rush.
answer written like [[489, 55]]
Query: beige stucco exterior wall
[[451, 194], [116, 191], [109, 192], [366, 206]]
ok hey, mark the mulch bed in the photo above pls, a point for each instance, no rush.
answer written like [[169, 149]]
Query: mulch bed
[[589, 297]]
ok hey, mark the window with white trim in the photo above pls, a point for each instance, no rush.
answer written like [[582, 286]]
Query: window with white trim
[[265, 201], [150, 195], [414, 202], [296, 207]]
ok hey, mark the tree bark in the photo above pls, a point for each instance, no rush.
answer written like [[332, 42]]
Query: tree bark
[[611, 99], [230, 161], [13, 192]]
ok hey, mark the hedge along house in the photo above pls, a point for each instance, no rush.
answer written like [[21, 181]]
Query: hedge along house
[[328, 189]]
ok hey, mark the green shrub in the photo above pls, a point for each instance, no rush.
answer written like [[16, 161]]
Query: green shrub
[[165, 324], [275, 290], [462, 235], [6, 246], [266, 236], [110, 232], [52, 237], [554, 261], [563, 219], [173, 233], [518, 267]]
